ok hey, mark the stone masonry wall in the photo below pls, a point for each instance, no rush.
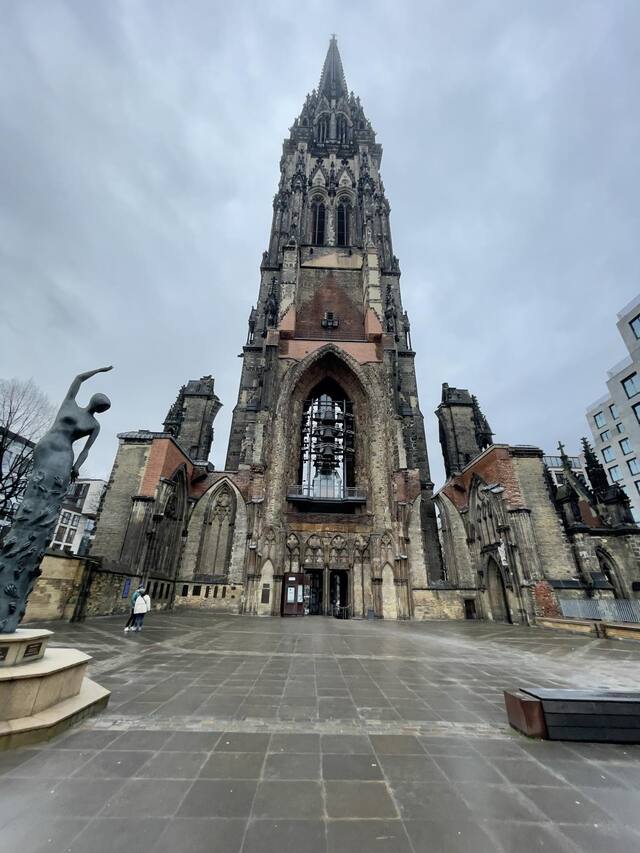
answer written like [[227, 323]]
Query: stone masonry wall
[[553, 548], [124, 483], [56, 593]]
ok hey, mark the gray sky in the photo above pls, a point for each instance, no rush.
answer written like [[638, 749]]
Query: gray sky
[[139, 150]]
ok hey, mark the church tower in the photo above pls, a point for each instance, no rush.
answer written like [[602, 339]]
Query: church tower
[[327, 411]]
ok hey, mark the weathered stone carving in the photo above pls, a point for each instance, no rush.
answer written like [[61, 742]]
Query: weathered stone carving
[[53, 469]]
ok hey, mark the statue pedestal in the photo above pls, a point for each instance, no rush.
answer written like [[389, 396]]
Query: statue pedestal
[[42, 691]]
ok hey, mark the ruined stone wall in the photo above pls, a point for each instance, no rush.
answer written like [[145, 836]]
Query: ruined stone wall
[[553, 547], [125, 482], [192, 563], [438, 603], [56, 591], [218, 598]]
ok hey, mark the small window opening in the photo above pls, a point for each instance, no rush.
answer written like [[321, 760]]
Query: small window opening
[[329, 320]]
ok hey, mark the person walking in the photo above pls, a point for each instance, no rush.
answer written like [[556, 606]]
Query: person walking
[[142, 606], [135, 595]]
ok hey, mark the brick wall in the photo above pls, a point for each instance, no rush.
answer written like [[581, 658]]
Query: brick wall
[[544, 600]]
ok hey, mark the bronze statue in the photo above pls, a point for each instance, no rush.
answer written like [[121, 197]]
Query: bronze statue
[[53, 470]]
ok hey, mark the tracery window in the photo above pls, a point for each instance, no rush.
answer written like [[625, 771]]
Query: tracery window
[[342, 129], [327, 458], [343, 217], [317, 222], [322, 130], [217, 536]]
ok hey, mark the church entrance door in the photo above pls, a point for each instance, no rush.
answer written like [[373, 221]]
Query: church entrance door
[[315, 582], [293, 594], [497, 594], [339, 593]]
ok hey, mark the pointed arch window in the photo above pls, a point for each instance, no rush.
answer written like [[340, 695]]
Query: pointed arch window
[[322, 129], [342, 130], [327, 458], [317, 222], [343, 222]]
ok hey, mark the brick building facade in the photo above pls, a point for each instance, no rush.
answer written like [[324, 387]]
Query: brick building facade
[[516, 545]]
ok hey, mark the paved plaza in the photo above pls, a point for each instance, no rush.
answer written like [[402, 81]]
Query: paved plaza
[[242, 735]]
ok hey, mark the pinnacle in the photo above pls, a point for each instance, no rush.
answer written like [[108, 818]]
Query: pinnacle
[[332, 80]]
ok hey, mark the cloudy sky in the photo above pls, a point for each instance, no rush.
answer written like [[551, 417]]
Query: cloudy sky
[[139, 149]]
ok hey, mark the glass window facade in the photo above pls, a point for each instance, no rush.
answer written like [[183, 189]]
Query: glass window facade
[[615, 473], [634, 466], [620, 427], [636, 411], [614, 411], [631, 385], [605, 436], [600, 419], [607, 454], [625, 446], [635, 326]]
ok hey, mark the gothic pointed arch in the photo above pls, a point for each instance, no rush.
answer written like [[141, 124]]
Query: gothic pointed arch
[[455, 548], [609, 569], [496, 588], [216, 534], [293, 553], [338, 553], [313, 553]]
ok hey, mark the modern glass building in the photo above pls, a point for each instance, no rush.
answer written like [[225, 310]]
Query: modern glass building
[[614, 419]]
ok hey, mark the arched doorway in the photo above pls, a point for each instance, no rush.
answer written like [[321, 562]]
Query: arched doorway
[[497, 593], [608, 569]]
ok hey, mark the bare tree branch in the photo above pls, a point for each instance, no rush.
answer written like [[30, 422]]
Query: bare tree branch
[[25, 415]]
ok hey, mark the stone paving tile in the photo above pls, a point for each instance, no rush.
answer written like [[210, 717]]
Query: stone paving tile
[[381, 836], [146, 797], [37, 837], [173, 765], [593, 839], [271, 836], [351, 767], [234, 742], [348, 799], [191, 741], [82, 797], [113, 764], [218, 798], [232, 765], [565, 804], [517, 837], [104, 835], [417, 800], [54, 765], [201, 835], [450, 836], [293, 766], [288, 800]]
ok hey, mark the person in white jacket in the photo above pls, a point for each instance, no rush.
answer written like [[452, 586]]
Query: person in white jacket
[[142, 605]]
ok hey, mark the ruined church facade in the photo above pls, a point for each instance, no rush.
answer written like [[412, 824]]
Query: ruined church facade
[[325, 505]]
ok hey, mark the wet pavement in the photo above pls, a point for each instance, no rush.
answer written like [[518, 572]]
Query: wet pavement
[[246, 735]]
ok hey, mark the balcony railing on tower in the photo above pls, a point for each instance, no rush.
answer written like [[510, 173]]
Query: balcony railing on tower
[[330, 491]]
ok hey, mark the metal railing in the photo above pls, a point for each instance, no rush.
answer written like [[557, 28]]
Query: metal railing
[[605, 609], [321, 493]]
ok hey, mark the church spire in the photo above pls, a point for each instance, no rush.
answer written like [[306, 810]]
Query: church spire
[[332, 80]]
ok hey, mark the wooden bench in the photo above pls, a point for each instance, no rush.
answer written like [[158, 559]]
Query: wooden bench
[[579, 715]]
